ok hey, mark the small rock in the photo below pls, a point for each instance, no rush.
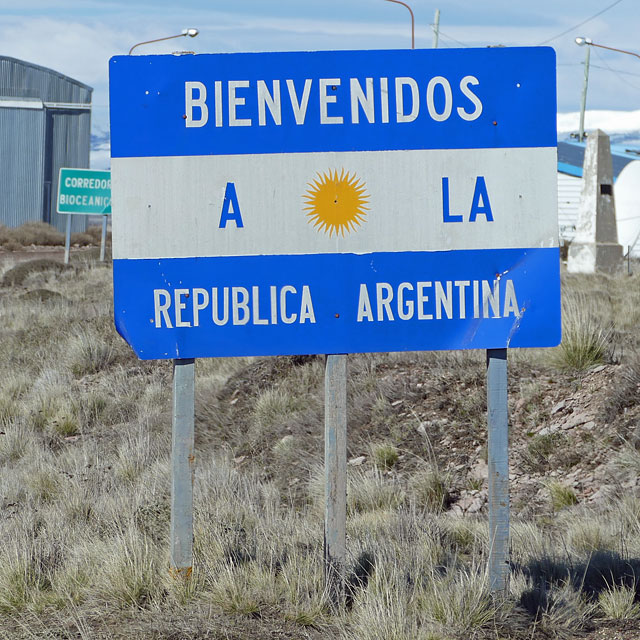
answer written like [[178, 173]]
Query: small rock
[[599, 368], [396, 403], [480, 470], [240, 459], [576, 421], [356, 462], [465, 502], [559, 407], [589, 425], [545, 431]]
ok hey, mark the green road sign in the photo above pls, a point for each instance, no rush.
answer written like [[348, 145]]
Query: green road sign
[[84, 191]]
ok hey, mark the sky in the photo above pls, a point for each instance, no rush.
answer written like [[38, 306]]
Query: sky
[[77, 37]]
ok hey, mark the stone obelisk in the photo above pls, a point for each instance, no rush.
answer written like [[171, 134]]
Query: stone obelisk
[[595, 247]]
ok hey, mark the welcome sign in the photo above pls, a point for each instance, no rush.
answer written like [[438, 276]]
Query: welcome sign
[[335, 202]]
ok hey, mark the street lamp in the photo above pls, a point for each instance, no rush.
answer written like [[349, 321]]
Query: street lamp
[[581, 42], [413, 22], [192, 33]]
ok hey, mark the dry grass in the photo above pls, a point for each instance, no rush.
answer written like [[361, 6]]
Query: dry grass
[[43, 234], [85, 490]]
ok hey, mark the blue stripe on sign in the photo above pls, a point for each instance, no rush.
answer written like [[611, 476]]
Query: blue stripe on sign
[[277, 102], [338, 303]]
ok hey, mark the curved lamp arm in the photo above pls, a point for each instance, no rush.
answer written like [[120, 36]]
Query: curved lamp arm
[[413, 21], [192, 33]]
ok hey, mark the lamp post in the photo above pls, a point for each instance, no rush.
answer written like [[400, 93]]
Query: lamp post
[[413, 21], [192, 33], [581, 42]]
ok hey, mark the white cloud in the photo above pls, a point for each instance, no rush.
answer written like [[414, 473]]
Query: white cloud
[[609, 121]]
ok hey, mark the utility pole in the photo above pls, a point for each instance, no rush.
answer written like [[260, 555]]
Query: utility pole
[[436, 28], [583, 102]]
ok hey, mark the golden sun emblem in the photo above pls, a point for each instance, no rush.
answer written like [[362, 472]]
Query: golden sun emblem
[[335, 203]]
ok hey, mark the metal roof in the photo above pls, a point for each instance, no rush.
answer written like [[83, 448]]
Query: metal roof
[[571, 157], [20, 79], [45, 124]]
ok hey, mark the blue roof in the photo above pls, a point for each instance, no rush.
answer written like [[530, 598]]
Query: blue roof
[[571, 157]]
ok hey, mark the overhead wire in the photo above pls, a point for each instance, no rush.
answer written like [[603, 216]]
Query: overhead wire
[[615, 72], [448, 37], [595, 15]]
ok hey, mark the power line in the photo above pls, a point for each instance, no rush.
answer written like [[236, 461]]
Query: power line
[[462, 44], [595, 66], [595, 15], [617, 73]]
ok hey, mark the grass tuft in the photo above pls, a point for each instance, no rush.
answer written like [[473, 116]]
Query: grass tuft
[[385, 455], [561, 495], [618, 602], [585, 341]]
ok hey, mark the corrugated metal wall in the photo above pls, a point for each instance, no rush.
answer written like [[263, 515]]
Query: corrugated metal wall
[[21, 165], [70, 132], [36, 142], [569, 188]]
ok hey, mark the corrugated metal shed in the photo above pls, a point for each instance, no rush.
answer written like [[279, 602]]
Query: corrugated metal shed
[[45, 124]]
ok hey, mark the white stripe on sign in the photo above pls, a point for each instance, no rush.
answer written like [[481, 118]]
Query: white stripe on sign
[[357, 202]]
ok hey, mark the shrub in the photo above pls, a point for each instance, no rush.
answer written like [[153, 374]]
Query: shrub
[[38, 233], [618, 603], [384, 455], [430, 489], [561, 496], [18, 274], [585, 341], [87, 353]]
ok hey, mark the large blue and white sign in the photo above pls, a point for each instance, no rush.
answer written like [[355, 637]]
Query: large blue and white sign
[[335, 202]]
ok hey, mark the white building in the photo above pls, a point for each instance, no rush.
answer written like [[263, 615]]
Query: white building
[[626, 190]]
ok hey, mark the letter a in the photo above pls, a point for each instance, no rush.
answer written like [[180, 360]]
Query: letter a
[[480, 195], [230, 207]]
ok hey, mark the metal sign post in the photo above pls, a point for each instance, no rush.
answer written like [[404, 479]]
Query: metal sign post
[[67, 240], [335, 475], [498, 462], [103, 238], [182, 467]]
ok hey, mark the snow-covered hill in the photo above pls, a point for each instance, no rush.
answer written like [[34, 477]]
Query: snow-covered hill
[[623, 127]]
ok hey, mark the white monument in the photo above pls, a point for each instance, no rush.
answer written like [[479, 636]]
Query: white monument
[[595, 247]]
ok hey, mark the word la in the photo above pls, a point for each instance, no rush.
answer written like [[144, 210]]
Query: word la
[[480, 205]]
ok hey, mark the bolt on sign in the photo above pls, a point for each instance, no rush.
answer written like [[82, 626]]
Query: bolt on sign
[[84, 191], [335, 202]]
